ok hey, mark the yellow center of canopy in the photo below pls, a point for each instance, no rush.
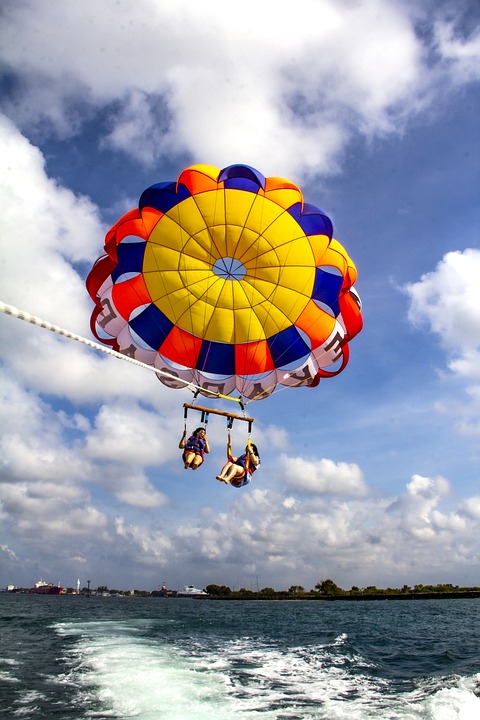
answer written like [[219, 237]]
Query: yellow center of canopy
[[276, 261]]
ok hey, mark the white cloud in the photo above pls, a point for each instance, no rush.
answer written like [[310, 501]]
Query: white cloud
[[125, 432], [49, 517], [429, 488], [33, 442], [471, 507], [467, 366], [322, 476], [140, 545], [129, 484], [8, 553], [417, 506], [461, 54], [281, 90], [44, 229], [446, 301], [132, 487]]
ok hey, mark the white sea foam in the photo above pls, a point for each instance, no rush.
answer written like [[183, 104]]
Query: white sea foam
[[130, 673], [455, 703]]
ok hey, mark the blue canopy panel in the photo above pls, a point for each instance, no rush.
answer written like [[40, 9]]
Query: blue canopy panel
[[242, 177], [217, 358], [129, 259], [163, 196], [326, 289], [287, 347], [152, 326]]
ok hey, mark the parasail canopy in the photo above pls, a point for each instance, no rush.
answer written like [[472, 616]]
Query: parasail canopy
[[228, 280]]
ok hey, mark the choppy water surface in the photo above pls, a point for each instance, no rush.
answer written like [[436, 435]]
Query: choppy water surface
[[148, 658]]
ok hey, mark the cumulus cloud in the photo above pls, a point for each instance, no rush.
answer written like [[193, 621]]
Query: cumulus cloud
[[417, 506], [130, 485], [8, 553], [49, 517], [44, 228], [322, 476], [462, 54], [471, 507], [446, 301], [34, 440], [126, 432], [136, 544], [234, 82]]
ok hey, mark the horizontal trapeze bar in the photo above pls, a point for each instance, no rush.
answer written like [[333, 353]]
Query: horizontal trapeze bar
[[218, 412]]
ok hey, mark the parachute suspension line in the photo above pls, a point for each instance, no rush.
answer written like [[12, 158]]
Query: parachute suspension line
[[34, 320], [249, 420], [247, 459], [230, 419], [229, 438], [205, 413]]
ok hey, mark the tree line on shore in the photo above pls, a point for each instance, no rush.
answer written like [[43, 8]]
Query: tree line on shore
[[328, 589]]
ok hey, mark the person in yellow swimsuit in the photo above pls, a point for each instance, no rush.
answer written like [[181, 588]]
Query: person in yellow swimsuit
[[238, 471]]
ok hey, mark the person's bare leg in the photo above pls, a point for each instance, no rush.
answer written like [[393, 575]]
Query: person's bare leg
[[197, 461], [189, 458], [225, 468], [229, 471]]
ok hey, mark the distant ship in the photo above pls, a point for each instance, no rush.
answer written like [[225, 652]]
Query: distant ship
[[165, 592], [191, 591], [44, 588]]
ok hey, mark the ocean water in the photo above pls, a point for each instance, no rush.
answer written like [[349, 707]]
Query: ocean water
[[177, 659]]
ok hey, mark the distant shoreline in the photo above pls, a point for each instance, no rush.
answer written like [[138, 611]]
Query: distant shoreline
[[351, 598], [276, 596]]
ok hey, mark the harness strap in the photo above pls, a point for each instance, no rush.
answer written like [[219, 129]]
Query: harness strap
[[247, 461]]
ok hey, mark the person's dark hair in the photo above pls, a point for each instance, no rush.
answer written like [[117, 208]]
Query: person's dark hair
[[195, 432], [254, 448]]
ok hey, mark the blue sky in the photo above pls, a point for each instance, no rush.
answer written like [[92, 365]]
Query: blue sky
[[372, 108]]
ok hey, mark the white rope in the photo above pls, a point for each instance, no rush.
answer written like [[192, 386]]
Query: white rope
[[23, 315]]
